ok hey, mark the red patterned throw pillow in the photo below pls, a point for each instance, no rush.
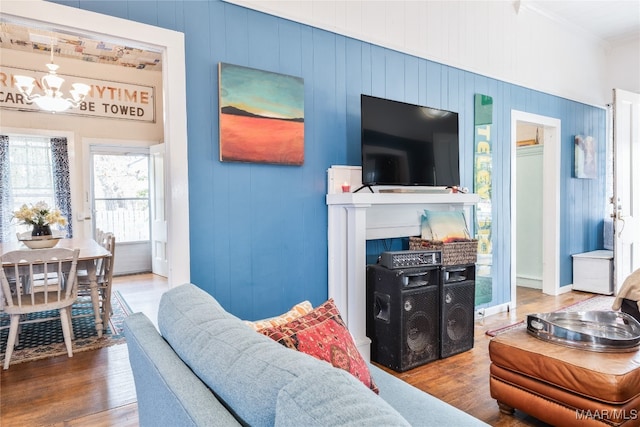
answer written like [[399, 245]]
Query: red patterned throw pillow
[[296, 311], [323, 335]]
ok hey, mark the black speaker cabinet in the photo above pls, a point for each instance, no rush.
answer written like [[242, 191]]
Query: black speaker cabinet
[[403, 315], [457, 309]]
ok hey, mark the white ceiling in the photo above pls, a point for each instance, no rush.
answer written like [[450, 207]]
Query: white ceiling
[[611, 21]]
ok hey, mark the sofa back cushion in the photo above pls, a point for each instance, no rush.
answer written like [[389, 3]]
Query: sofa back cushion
[[245, 369], [334, 398]]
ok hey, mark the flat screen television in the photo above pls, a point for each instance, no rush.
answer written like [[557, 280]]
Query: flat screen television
[[406, 144]]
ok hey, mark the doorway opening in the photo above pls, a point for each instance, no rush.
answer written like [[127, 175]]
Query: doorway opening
[[549, 131], [120, 203], [171, 44]]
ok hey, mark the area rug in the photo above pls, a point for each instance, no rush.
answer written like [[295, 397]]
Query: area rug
[[45, 339], [595, 303]]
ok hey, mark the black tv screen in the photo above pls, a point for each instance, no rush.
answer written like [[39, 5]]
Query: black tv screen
[[406, 144]]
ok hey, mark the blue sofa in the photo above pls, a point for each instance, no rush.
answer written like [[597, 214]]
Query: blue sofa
[[207, 368]]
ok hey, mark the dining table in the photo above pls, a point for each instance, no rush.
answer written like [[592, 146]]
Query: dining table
[[90, 253]]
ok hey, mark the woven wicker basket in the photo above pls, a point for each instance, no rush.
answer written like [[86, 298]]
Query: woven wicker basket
[[454, 253]]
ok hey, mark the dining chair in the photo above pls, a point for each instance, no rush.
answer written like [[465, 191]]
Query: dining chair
[[53, 271], [23, 236], [101, 239], [100, 236], [104, 278]]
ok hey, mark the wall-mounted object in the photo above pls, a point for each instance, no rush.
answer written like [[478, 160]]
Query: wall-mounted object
[[585, 157], [261, 116], [483, 186]]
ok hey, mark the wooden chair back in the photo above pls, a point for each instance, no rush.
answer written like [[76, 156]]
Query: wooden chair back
[[105, 269], [51, 271]]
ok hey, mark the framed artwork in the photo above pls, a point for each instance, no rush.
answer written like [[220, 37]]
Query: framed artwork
[[585, 157], [261, 116]]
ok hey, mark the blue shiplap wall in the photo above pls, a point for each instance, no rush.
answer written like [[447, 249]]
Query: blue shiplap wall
[[259, 232]]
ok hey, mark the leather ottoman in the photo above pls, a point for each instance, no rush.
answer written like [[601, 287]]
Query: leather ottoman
[[564, 386]]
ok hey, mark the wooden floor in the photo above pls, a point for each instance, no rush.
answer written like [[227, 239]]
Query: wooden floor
[[95, 388]]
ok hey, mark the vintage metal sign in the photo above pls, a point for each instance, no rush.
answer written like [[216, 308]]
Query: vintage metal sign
[[106, 99], [483, 160]]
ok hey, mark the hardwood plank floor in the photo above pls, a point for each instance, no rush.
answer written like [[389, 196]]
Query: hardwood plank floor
[[96, 388], [463, 380]]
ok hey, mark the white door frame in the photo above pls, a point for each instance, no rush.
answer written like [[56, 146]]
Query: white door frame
[[171, 43], [158, 185], [626, 208], [551, 205]]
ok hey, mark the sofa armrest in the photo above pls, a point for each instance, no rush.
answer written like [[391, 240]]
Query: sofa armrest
[[168, 392]]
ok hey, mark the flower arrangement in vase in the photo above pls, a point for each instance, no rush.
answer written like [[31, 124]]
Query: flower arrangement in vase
[[41, 217]]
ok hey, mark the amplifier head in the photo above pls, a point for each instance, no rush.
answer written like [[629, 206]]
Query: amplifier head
[[404, 259]]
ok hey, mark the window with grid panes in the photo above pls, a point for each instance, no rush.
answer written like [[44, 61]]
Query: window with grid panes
[[31, 174]]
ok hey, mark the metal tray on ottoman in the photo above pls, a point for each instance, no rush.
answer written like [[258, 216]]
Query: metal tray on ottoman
[[602, 331]]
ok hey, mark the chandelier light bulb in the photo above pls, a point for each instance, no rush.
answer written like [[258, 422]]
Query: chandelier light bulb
[[79, 91], [53, 83], [25, 84]]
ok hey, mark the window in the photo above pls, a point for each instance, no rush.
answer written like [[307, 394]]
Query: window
[[121, 192], [30, 177]]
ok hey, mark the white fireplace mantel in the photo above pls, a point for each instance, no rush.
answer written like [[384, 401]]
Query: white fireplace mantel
[[354, 218]]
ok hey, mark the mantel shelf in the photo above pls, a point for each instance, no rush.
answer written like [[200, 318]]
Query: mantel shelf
[[402, 199]]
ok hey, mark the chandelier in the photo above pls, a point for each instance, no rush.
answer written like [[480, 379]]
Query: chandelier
[[52, 99]]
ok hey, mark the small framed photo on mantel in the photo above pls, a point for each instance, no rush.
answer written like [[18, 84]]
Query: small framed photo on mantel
[[261, 116]]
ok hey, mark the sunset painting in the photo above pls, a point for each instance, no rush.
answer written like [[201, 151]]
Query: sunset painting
[[261, 116]]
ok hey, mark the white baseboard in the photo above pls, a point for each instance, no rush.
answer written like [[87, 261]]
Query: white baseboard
[[500, 308], [529, 282], [565, 289]]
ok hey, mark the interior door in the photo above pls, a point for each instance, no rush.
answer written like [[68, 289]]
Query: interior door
[[626, 212], [159, 262], [120, 201]]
